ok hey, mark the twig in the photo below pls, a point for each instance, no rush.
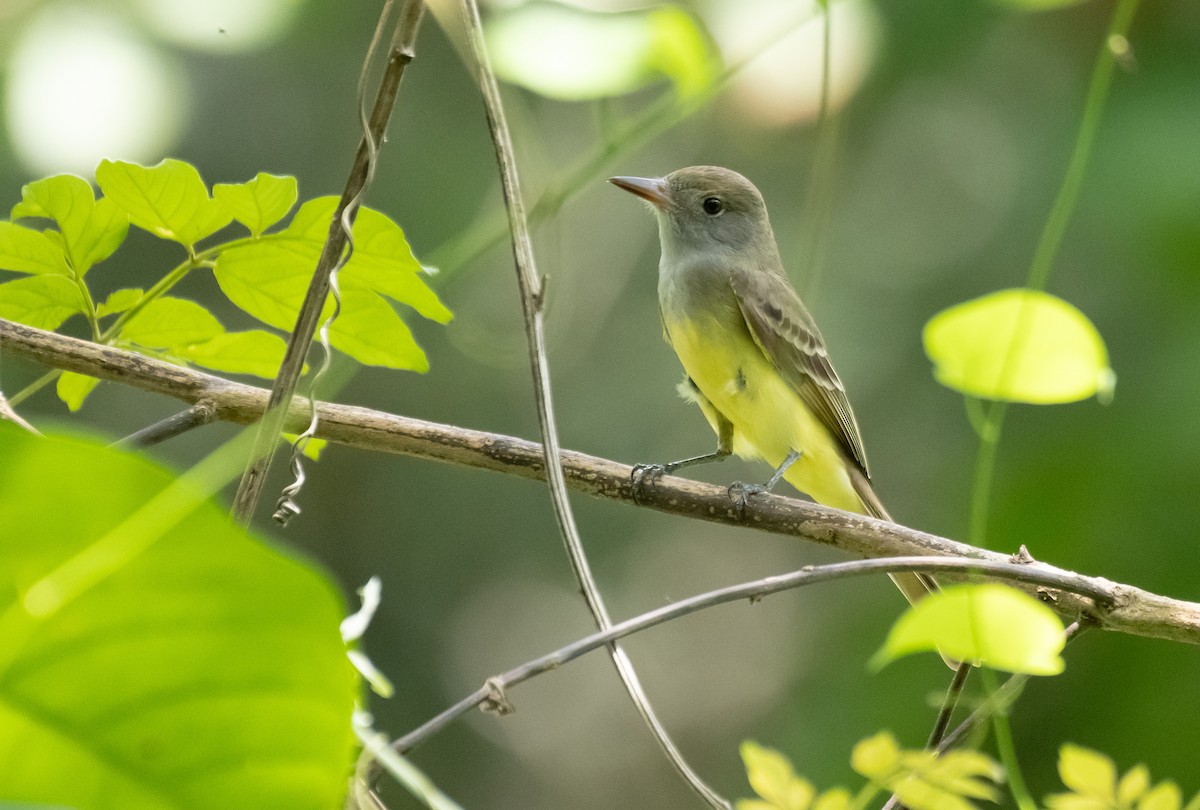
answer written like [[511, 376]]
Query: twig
[[7, 412], [493, 690], [284, 389], [197, 415], [532, 290], [1130, 610], [948, 704]]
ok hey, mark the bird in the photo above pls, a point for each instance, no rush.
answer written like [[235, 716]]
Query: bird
[[754, 359]]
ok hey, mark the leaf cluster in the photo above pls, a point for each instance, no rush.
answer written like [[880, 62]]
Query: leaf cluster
[[264, 274]]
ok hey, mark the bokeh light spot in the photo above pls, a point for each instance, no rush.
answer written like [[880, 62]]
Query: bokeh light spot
[[83, 86]]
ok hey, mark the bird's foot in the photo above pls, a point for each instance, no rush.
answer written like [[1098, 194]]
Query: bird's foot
[[741, 493], [642, 475]]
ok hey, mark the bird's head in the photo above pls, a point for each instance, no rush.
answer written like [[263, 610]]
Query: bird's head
[[705, 209]]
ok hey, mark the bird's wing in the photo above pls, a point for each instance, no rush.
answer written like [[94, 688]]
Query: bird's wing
[[788, 336]]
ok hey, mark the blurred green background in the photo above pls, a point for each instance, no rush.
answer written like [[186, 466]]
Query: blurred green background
[[957, 121]]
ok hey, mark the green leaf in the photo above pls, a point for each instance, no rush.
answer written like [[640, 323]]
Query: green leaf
[[567, 53], [268, 278], [876, 757], [259, 203], [168, 200], [119, 301], [1061, 356], [1087, 772], [253, 352], [1164, 796], [169, 323], [834, 799], [154, 655], [771, 775], [92, 230], [370, 331], [1133, 785], [24, 250], [74, 388], [996, 625], [40, 301], [382, 260], [923, 780], [312, 448]]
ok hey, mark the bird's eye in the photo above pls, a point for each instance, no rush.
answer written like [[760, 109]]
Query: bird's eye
[[712, 206]]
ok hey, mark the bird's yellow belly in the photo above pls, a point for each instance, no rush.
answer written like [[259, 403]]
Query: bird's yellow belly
[[769, 418]]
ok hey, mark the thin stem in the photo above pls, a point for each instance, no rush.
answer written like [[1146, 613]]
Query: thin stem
[[948, 704], [1048, 245], [819, 202], [1006, 748], [532, 298], [160, 287], [35, 386], [989, 431]]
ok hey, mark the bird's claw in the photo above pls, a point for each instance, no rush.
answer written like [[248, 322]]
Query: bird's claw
[[643, 474], [741, 493]]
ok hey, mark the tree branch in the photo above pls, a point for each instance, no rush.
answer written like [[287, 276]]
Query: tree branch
[[1125, 609]]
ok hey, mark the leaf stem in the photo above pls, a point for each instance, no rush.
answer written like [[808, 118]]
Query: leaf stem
[[1005, 747], [1047, 248]]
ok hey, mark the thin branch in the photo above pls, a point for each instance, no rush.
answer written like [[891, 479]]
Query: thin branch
[[949, 703], [284, 389], [492, 694], [196, 416], [532, 290], [1126, 609]]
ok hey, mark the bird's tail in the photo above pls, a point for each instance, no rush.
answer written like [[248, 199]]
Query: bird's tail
[[914, 586]]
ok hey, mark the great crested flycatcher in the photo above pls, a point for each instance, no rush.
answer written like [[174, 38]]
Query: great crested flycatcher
[[755, 362]]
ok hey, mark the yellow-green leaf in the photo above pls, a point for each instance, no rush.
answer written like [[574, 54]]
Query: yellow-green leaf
[[996, 625], [252, 352], [771, 775], [1021, 346], [119, 301], [268, 278], [312, 447], [1133, 785], [1163, 796], [169, 200], [24, 250], [259, 203], [91, 229], [876, 757], [834, 799], [1088, 772], [74, 388], [156, 655], [170, 323], [382, 260], [40, 301], [568, 53]]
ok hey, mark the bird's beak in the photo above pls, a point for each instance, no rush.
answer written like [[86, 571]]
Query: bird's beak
[[652, 189]]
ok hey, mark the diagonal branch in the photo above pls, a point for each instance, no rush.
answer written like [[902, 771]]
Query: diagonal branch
[[1126, 610], [532, 290], [492, 695], [400, 53]]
